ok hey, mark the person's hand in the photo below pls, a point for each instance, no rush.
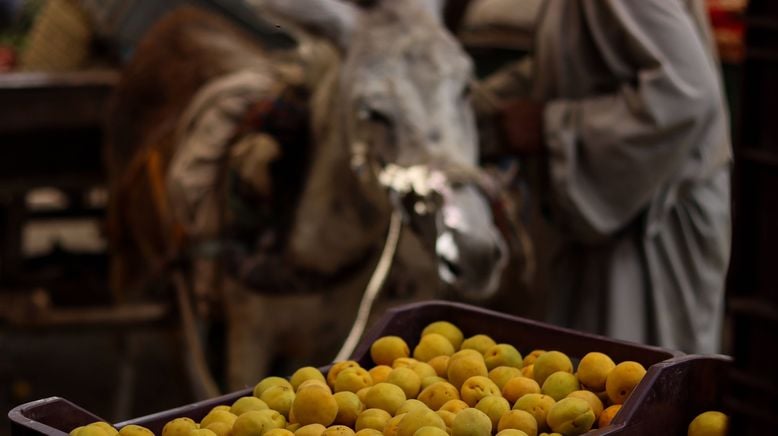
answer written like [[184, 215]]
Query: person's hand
[[521, 122]]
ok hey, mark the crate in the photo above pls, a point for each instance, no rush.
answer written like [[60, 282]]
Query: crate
[[675, 388]]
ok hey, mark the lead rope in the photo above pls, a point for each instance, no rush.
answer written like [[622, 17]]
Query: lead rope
[[374, 286], [205, 386]]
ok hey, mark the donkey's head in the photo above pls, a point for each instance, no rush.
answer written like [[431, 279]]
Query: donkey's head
[[402, 98]]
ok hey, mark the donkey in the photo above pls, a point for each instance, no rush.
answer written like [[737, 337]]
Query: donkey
[[391, 129]]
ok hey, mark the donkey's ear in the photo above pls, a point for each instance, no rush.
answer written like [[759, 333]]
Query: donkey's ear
[[435, 8], [332, 19]]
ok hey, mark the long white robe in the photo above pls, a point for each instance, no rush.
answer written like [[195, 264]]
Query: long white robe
[[638, 170]]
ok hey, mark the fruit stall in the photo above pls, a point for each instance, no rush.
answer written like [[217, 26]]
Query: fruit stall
[[432, 368]]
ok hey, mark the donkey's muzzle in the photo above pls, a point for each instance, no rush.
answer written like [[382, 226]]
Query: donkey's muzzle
[[471, 252]]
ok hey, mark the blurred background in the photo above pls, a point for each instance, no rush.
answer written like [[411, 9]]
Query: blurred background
[[61, 331]]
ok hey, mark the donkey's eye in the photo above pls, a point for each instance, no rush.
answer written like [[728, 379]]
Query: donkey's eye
[[369, 113], [378, 117]]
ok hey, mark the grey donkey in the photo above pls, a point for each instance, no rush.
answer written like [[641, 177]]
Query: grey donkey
[[391, 130]]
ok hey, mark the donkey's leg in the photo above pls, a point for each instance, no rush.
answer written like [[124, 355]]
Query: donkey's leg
[[272, 334], [250, 341]]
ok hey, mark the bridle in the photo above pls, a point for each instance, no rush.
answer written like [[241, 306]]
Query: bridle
[[424, 188]]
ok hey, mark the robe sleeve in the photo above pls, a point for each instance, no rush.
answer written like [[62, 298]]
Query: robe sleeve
[[610, 155]]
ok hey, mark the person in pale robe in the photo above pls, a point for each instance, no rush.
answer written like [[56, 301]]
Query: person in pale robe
[[626, 108]]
